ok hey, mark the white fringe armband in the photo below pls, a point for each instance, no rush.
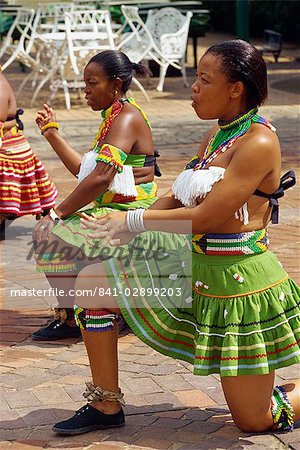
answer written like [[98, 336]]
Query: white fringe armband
[[88, 164], [123, 183]]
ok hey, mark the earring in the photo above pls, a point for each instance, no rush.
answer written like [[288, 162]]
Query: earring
[[116, 92]]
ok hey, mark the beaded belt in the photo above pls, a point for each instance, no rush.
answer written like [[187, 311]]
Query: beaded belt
[[248, 243]]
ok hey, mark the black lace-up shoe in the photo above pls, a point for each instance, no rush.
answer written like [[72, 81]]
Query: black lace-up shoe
[[87, 419], [56, 330]]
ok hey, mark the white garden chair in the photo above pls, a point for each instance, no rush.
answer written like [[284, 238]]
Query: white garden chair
[[163, 38], [137, 43], [44, 62], [169, 30], [87, 32], [49, 16], [22, 25]]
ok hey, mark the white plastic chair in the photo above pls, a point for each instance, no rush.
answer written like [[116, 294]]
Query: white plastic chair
[[50, 16], [137, 43], [169, 30], [44, 61], [87, 32], [156, 39], [23, 25]]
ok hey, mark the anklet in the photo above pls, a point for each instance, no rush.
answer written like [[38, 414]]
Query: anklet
[[96, 393]]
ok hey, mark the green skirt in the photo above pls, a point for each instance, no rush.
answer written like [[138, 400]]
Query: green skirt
[[232, 315], [79, 246]]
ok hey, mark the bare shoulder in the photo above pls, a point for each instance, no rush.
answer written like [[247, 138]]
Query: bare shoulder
[[261, 140], [130, 116]]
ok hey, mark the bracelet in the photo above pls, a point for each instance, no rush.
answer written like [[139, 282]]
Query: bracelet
[[135, 221], [49, 125], [53, 215]]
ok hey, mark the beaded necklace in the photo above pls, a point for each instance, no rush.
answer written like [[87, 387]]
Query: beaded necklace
[[109, 115], [228, 133]]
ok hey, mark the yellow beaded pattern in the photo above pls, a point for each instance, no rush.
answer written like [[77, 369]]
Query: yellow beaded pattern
[[49, 125]]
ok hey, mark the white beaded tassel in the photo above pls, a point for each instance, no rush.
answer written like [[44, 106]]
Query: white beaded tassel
[[135, 221], [88, 164], [123, 183]]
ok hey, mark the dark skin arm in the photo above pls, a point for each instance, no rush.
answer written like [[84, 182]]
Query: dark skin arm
[[89, 189], [98, 181], [167, 200], [68, 156], [4, 100], [249, 168]]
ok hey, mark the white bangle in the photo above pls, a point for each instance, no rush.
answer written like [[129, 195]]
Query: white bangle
[[135, 221], [53, 215]]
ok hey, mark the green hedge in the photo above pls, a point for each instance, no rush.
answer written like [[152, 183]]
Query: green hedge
[[278, 15]]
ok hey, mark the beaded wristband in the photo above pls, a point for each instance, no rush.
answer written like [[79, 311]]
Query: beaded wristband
[[134, 220], [49, 125]]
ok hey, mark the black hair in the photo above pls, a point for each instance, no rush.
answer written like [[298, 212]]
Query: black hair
[[240, 61], [117, 65]]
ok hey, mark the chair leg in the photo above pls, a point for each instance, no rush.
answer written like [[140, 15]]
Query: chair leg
[[22, 85], [141, 87], [10, 60], [34, 80], [183, 71], [37, 91], [162, 76], [67, 93]]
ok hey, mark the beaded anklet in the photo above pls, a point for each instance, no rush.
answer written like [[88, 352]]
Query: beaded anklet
[[282, 410]]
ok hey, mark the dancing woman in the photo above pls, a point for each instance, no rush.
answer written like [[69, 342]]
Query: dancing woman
[[116, 174], [242, 318]]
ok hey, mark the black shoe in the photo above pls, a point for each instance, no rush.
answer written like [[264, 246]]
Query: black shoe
[[56, 330], [87, 419]]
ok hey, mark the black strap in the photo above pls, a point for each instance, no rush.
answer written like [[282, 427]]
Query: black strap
[[287, 181], [150, 160], [16, 117]]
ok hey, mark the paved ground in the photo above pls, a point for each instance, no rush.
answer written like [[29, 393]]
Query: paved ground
[[167, 407]]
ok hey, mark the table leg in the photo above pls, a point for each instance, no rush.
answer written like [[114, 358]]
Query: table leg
[[195, 51]]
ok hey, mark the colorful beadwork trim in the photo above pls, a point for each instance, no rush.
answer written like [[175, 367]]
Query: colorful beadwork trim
[[238, 120], [249, 243], [53, 263], [1, 129], [94, 320], [282, 410], [113, 156]]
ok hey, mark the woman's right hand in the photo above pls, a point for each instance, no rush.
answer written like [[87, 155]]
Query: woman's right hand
[[45, 116]]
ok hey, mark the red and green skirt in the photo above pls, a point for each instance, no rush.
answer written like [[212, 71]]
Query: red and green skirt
[[25, 186]]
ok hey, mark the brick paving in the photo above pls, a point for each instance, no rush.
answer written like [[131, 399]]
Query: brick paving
[[167, 407]]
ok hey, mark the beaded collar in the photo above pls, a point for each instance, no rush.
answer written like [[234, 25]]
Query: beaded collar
[[109, 115], [228, 133]]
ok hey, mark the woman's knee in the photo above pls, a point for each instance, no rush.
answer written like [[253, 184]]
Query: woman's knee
[[92, 290], [253, 423]]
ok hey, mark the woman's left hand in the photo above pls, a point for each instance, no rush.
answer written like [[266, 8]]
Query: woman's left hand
[[42, 231], [111, 228]]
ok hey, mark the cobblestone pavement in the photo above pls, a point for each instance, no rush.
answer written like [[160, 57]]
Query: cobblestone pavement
[[167, 407]]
